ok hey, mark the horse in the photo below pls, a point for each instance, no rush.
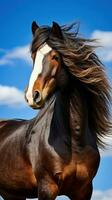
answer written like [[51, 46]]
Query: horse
[[56, 152]]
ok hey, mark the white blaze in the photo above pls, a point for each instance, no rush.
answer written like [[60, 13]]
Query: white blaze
[[36, 70]]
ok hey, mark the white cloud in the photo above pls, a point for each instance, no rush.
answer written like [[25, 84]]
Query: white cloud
[[11, 96], [18, 53], [105, 52], [105, 40], [102, 195], [108, 147]]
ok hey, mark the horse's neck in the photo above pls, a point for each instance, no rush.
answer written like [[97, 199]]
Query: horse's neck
[[67, 122], [40, 125], [59, 136], [70, 119]]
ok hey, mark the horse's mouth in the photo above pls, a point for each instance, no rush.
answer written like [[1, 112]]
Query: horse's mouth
[[45, 93]]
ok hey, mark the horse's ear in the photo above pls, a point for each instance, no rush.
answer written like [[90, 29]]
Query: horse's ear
[[34, 27], [56, 30]]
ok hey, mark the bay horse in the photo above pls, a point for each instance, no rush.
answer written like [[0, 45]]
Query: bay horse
[[56, 153]]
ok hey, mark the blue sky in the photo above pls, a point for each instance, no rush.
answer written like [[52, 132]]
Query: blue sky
[[15, 65]]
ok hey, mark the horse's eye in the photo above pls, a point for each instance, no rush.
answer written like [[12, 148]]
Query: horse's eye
[[55, 57]]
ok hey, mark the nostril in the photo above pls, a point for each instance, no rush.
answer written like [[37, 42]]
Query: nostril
[[36, 96]]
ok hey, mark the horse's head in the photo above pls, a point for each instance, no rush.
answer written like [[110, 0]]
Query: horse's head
[[46, 65]]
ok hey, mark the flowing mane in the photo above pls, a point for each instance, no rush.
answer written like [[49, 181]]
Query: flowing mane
[[78, 55], [56, 153]]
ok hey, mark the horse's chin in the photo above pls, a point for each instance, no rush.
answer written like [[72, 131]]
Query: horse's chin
[[37, 106], [41, 104]]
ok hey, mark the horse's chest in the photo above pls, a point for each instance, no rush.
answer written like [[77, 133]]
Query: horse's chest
[[66, 168], [80, 171], [80, 167], [83, 166]]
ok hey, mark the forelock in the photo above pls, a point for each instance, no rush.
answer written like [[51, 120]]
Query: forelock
[[40, 37]]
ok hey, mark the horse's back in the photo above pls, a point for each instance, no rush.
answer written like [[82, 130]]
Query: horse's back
[[12, 133], [7, 126]]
